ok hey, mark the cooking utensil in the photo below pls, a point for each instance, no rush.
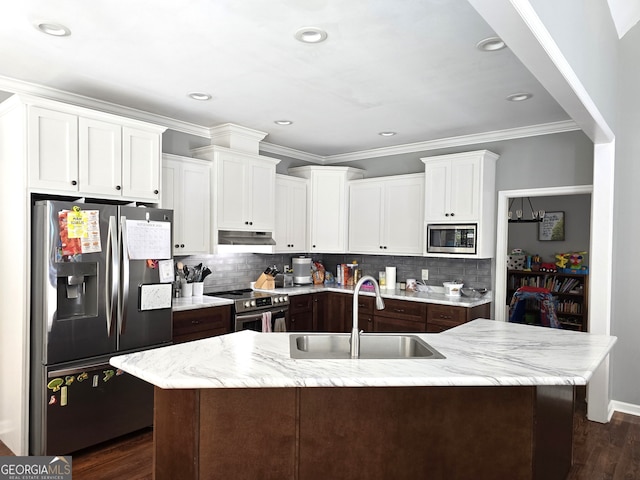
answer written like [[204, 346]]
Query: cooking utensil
[[205, 273]]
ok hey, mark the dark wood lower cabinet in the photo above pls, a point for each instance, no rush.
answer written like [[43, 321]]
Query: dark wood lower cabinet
[[201, 323], [374, 433], [300, 313], [444, 317]]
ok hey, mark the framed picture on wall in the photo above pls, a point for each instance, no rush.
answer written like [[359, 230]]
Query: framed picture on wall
[[552, 227]]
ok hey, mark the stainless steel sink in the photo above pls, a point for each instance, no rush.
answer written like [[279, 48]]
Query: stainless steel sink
[[372, 346]]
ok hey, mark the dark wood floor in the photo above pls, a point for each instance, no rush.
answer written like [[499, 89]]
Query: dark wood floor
[[601, 451]]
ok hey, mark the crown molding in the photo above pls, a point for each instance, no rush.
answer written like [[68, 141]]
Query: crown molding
[[292, 153], [463, 140], [25, 88], [22, 87]]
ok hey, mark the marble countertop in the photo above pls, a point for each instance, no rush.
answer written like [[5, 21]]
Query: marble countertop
[[478, 353], [435, 295], [201, 301]]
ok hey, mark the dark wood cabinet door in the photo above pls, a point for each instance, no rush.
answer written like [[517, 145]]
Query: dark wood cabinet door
[[300, 322], [389, 324], [201, 323]]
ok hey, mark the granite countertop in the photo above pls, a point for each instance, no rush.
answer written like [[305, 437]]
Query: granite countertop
[[478, 353]]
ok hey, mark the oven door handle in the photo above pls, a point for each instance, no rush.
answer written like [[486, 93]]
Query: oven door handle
[[257, 316]]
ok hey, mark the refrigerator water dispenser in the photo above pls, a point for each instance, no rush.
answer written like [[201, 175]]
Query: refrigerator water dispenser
[[77, 289]]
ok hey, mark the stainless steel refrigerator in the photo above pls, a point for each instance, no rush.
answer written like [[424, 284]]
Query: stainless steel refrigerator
[[101, 286]]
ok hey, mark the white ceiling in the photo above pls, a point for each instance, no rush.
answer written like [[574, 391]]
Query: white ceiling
[[409, 66]]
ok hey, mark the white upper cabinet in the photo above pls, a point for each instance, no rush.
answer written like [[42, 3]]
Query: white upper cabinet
[[76, 150], [386, 215], [52, 150], [460, 188], [328, 208], [244, 189], [290, 232], [140, 163], [186, 191]]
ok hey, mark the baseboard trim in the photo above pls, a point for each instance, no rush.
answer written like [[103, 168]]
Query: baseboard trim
[[624, 407]]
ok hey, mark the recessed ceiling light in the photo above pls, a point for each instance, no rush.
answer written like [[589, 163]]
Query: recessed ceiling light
[[491, 44], [387, 134], [519, 97], [54, 29], [311, 35], [200, 96], [283, 122]]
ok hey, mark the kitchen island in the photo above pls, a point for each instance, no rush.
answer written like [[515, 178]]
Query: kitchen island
[[499, 405]]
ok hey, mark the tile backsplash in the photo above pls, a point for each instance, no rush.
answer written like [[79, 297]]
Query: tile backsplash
[[231, 271]]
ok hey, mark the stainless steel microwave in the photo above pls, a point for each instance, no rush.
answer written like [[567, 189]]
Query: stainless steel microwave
[[447, 238]]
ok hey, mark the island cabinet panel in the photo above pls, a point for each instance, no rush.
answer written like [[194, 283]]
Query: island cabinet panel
[[400, 316], [449, 433], [444, 317], [201, 323]]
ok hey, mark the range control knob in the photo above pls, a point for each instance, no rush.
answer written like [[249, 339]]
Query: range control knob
[[284, 299], [247, 304], [276, 299], [253, 303]]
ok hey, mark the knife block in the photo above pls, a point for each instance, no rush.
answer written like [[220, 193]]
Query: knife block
[[265, 282]]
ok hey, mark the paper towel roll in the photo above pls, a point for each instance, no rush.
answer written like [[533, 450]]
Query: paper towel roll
[[390, 274]]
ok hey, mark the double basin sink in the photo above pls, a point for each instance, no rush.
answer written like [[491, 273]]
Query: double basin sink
[[372, 346]]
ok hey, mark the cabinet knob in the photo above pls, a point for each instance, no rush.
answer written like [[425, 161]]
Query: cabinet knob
[[313, 246], [73, 182], [118, 187], [176, 246], [446, 214], [155, 192], [182, 245], [385, 247], [453, 214], [380, 247], [195, 322]]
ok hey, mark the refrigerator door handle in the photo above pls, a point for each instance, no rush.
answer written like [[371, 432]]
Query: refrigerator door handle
[[111, 283], [124, 253]]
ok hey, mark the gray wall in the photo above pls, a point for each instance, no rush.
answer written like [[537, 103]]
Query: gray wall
[[585, 33], [544, 161], [577, 215], [625, 359]]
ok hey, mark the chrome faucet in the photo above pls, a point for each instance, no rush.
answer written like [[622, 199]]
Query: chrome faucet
[[355, 332]]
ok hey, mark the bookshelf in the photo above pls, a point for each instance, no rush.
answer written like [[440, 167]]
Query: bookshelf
[[570, 290]]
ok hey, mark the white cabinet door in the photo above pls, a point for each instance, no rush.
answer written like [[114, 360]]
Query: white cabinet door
[[365, 217], [195, 208], [140, 163], [186, 190], [260, 197], [328, 212], [404, 216], [291, 214], [437, 190], [100, 157], [230, 194], [52, 150], [465, 189], [298, 217]]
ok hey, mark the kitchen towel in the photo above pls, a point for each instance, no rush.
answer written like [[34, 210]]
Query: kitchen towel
[[266, 322], [279, 325], [390, 275]]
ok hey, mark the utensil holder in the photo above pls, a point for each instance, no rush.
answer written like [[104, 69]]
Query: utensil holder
[[198, 289], [186, 289]]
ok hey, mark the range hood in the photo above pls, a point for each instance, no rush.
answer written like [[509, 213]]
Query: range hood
[[236, 241]]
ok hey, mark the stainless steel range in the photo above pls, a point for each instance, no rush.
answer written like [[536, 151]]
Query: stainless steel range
[[250, 307]]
